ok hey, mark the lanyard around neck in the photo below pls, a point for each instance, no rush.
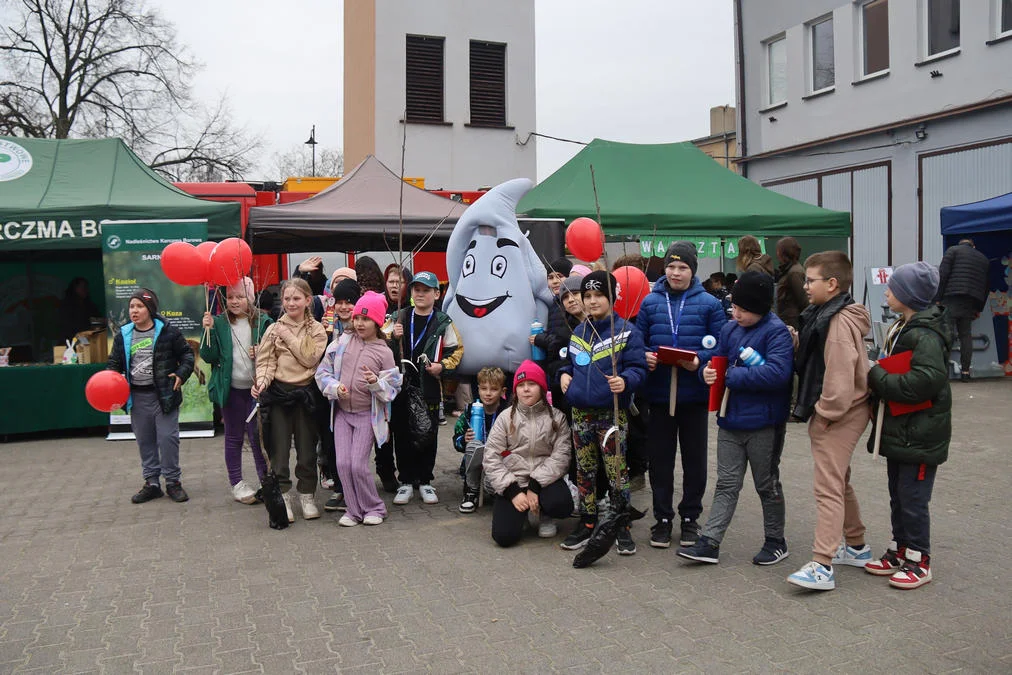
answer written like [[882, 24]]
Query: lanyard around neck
[[414, 342], [675, 322]]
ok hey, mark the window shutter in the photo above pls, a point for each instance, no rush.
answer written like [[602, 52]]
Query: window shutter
[[424, 81], [488, 83]]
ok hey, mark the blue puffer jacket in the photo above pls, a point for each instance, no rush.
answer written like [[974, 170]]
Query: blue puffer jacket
[[701, 315], [591, 344], [760, 395]]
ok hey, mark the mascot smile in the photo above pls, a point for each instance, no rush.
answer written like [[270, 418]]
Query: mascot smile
[[497, 284]]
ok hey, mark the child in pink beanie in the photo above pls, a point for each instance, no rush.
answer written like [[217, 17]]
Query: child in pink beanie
[[358, 375]]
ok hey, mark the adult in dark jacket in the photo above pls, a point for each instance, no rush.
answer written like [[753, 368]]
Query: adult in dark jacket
[[156, 364], [917, 442], [77, 309], [790, 280], [751, 257], [963, 290], [678, 312]]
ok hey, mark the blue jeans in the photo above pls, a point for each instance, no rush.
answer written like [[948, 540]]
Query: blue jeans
[[157, 436]]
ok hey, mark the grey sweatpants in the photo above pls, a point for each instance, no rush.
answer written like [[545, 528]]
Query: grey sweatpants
[[157, 436], [736, 449]]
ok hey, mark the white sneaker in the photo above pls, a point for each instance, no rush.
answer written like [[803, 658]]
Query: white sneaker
[[243, 493], [372, 520], [289, 499], [347, 521], [855, 557], [403, 495], [428, 494], [309, 509], [547, 529]]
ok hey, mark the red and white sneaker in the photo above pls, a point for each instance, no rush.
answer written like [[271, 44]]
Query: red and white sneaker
[[890, 561], [916, 571]]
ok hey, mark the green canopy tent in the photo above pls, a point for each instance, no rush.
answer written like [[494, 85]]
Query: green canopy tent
[[54, 193], [54, 196], [673, 189]]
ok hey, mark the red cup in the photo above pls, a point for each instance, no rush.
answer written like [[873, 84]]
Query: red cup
[[718, 363]]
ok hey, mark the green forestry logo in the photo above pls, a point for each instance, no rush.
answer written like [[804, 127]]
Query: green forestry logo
[[15, 161]]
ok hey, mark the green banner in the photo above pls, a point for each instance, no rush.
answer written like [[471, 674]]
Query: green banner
[[131, 259], [706, 247]]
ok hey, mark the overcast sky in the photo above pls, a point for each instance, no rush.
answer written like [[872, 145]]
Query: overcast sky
[[637, 70]]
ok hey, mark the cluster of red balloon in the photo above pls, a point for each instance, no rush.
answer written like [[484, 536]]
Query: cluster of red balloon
[[222, 264], [107, 390], [585, 240]]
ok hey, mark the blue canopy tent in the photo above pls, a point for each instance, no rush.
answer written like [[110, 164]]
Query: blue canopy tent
[[989, 224]]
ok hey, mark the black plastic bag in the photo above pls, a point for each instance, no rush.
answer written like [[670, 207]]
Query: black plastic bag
[[420, 426]]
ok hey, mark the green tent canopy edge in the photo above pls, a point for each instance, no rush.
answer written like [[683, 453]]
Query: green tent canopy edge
[[672, 189], [54, 194]]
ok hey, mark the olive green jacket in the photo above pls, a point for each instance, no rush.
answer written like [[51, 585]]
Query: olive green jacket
[[920, 437], [218, 352]]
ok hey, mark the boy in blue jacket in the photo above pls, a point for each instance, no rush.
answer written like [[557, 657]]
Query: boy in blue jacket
[[589, 383], [759, 397], [678, 313]]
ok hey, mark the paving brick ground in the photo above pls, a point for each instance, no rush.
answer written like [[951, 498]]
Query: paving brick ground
[[92, 583]]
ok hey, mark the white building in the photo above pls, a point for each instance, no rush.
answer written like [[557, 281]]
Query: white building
[[889, 109], [456, 75]]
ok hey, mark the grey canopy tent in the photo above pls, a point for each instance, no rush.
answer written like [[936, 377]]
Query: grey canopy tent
[[361, 212]]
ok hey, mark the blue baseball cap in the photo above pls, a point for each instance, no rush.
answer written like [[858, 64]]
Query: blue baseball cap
[[425, 279]]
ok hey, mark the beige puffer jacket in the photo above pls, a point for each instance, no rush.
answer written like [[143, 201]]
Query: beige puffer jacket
[[532, 452]]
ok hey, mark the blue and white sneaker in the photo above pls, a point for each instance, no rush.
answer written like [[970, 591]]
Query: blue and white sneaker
[[814, 576], [855, 557]]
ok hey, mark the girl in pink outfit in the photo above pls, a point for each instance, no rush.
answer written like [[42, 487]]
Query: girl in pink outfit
[[359, 376]]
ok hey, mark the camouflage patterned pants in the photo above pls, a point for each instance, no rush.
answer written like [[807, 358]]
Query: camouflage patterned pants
[[589, 428]]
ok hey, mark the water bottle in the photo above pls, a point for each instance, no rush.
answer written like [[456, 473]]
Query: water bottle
[[750, 357], [537, 353], [478, 421]]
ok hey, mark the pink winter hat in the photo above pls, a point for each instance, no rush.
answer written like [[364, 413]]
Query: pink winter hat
[[529, 370], [244, 287], [371, 305]]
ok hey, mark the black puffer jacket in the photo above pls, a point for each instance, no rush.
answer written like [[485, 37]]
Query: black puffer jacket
[[963, 273], [920, 437], [172, 355]]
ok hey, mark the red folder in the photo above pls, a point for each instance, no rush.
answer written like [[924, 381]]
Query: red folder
[[898, 364], [671, 356]]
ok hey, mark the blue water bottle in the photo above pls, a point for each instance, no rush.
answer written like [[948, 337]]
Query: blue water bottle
[[478, 421], [750, 357], [537, 353]]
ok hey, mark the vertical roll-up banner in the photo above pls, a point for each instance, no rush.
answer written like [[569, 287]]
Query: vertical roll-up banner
[[131, 259]]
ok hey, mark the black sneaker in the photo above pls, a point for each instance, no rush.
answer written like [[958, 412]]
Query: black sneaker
[[704, 550], [624, 542], [147, 493], [690, 532], [660, 534], [579, 537], [335, 503], [772, 552], [176, 492], [469, 502]]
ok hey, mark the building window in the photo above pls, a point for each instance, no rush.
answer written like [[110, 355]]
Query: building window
[[424, 81], [942, 26], [776, 70], [823, 63], [488, 83], [875, 36], [1004, 22]]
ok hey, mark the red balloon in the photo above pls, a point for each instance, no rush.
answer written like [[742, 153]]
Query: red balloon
[[182, 265], [230, 261], [204, 250], [107, 390], [585, 239], [633, 287]]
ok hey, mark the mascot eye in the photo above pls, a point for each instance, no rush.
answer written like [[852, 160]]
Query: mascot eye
[[468, 265], [498, 266]]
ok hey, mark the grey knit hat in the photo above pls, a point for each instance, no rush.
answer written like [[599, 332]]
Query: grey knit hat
[[915, 284]]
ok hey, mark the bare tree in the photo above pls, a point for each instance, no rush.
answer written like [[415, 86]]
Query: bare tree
[[98, 68], [297, 161]]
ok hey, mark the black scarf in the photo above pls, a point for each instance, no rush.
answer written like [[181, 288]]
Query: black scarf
[[810, 361]]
